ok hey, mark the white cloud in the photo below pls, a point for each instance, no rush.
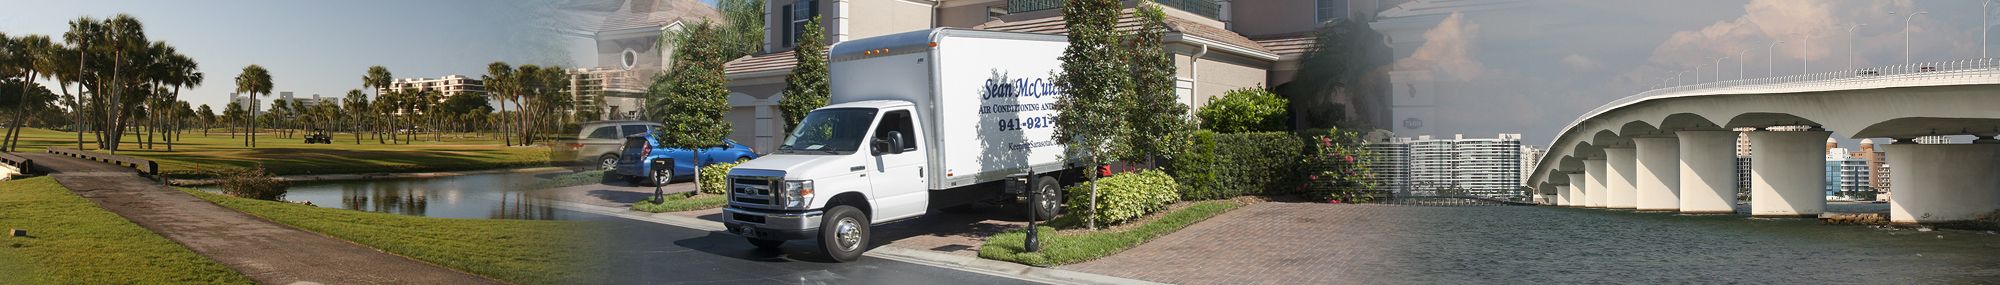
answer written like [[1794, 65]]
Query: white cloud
[[1581, 63], [1447, 51]]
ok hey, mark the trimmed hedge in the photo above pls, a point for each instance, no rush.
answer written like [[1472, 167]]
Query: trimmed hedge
[[1225, 165], [715, 178], [1125, 196]]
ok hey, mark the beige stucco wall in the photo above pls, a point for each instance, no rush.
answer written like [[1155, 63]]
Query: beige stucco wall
[[754, 115], [868, 18], [972, 13], [1217, 77], [1269, 17], [646, 43]]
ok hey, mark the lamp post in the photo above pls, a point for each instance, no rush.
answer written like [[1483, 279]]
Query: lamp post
[[1804, 38], [1677, 78], [1850, 43], [1983, 26], [1906, 33], [1770, 53], [1740, 55], [1718, 69]]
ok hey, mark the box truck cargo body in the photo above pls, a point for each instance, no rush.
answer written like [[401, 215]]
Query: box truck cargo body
[[915, 122]]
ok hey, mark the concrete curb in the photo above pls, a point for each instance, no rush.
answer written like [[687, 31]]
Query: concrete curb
[[917, 256], [371, 176]]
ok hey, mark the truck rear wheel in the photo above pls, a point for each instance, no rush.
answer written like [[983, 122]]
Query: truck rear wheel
[[1048, 201], [766, 243], [843, 233]]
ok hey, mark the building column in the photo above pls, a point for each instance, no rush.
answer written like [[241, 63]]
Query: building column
[[1788, 173], [1593, 186], [1573, 197], [1659, 179], [1622, 194], [1943, 182], [1707, 172]]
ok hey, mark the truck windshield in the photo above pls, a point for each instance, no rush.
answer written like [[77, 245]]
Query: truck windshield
[[830, 131]]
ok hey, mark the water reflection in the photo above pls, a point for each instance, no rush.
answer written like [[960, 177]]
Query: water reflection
[[492, 196]]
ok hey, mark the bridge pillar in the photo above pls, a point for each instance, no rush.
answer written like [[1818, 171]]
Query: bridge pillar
[[1593, 186], [1659, 179], [1622, 194], [1788, 176], [1574, 196], [1943, 182], [1707, 172]]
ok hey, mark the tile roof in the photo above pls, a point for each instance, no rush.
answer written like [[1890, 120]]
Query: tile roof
[[657, 13], [1127, 22], [761, 63], [1287, 44]]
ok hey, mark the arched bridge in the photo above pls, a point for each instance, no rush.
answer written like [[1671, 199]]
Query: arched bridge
[[1673, 149]]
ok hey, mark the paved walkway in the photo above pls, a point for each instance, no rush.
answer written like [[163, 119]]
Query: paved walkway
[[617, 194], [1263, 243], [267, 252]]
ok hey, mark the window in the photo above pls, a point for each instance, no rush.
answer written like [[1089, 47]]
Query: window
[[1330, 10], [633, 129], [604, 133], [794, 19], [899, 122]]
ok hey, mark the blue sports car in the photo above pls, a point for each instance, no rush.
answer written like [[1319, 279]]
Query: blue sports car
[[643, 157]]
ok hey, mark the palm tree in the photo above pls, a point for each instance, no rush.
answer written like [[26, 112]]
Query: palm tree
[[499, 81], [207, 117], [81, 34], [127, 38], [356, 105], [31, 58], [252, 82]]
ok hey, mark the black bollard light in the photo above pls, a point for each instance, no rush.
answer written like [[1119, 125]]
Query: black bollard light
[[1034, 193]]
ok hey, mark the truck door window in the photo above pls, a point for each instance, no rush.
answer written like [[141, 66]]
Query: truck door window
[[898, 121]]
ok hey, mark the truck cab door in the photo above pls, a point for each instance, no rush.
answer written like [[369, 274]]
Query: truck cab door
[[896, 171]]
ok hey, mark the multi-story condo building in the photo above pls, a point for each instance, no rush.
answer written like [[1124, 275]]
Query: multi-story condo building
[[1530, 157], [1477, 166], [1391, 165], [1847, 174], [630, 52], [315, 100], [449, 85]]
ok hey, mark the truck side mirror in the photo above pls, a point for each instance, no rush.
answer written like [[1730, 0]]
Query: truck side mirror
[[896, 142]]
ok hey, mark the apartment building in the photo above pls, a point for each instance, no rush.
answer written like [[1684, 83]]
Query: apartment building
[[1218, 45], [1489, 167], [1391, 165], [448, 85]]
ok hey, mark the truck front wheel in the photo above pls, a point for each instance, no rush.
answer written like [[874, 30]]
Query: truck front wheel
[[1048, 198], [843, 233]]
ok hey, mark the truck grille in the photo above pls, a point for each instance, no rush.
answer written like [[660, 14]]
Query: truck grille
[[754, 190]]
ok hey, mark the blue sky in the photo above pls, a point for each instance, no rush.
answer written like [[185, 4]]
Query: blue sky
[[319, 47]]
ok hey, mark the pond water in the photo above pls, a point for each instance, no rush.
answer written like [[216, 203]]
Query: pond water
[[486, 196]]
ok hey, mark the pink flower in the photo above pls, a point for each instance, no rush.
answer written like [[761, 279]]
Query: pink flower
[[1313, 177], [1333, 201], [1350, 159]]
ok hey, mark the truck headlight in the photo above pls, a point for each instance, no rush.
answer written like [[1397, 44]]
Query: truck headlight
[[797, 193]]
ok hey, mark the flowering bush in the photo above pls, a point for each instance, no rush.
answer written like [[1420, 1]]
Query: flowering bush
[[1337, 169]]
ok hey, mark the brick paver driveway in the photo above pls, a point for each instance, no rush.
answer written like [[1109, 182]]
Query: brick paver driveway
[[1263, 243]]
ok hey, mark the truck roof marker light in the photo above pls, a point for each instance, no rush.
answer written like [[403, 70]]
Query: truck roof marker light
[[933, 44]]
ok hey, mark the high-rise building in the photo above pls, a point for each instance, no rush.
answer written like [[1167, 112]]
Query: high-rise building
[[449, 85], [1474, 166], [1878, 168], [1847, 175], [1391, 165], [1530, 158]]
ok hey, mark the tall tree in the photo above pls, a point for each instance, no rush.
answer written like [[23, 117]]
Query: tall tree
[[254, 81], [805, 88], [1156, 110], [83, 32], [1090, 120], [379, 78], [207, 117], [185, 73], [499, 81], [234, 115], [356, 107], [127, 40], [744, 33], [691, 100]]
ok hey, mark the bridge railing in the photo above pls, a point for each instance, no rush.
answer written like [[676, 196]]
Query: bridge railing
[[145, 166], [1889, 73], [23, 164]]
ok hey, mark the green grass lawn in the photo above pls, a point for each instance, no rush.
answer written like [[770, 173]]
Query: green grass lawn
[[680, 202], [291, 156], [572, 179], [515, 251], [72, 241], [1068, 248]]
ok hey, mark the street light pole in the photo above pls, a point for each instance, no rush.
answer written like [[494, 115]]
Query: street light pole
[[1850, 43], [1718, 69], [1906, 33], [1983, 26], [1740, 55], [1770, 53]]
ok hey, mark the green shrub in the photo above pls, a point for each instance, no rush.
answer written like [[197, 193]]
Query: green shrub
[[715, 178], [1124, 197], [1221, 166], [680, 202], [253, 183], [1337, 169], [1244, 110]]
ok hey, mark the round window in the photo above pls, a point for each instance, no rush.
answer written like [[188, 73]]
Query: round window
[[629, 58]]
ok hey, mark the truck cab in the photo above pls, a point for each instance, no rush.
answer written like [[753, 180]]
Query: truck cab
[[917, 121]]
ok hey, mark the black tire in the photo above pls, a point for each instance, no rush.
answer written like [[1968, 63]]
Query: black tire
[[843, 233], [742, 159], [662, 176], [607, 162], [765, 244], [1049, 202]]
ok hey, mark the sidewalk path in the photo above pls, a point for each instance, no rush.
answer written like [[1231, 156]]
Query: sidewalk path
[[267, 252], [1262, 243]]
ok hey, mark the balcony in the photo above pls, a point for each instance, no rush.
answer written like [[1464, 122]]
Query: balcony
[[1205, 8]]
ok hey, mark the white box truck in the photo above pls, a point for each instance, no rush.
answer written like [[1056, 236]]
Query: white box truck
[[916, 122]]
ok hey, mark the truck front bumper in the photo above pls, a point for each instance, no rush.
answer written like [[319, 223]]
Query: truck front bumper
[[772, 225]]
